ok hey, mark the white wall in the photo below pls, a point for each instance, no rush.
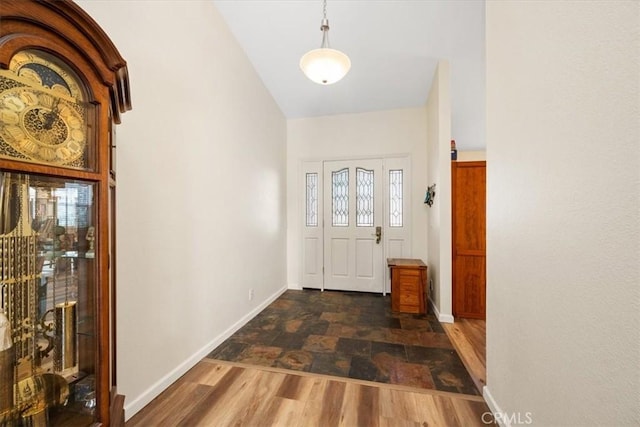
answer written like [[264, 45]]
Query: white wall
[[563, 223], [201, 189], [471, 156], [468, 126], [439, 173], [381, 133]]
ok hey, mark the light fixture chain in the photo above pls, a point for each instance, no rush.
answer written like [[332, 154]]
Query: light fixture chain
[[325, 65]]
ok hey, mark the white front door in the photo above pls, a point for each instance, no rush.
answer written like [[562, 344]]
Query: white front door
[[353, 225]]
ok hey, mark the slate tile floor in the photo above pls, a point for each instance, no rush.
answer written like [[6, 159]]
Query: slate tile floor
[[349, 334]]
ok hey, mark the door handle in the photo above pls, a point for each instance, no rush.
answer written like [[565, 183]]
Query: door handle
[[378, 234]]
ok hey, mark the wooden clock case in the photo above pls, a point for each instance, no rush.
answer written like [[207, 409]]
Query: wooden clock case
[[62, 29]]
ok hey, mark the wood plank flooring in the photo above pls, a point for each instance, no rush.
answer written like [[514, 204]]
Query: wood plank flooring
[[468, 336], [218, 393]]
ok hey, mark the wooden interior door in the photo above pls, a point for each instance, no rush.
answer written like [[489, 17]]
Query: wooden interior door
[[468, 184]]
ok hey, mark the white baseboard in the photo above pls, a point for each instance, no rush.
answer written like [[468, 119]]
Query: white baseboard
[[495, 409], [135, 405], [443, 318]]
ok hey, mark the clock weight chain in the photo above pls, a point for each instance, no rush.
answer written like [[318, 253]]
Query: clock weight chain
[[7, 377], [29, 393], [26, 391]]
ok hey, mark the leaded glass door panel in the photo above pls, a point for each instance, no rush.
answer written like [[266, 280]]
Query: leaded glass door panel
[[353, 212], [311, 254]]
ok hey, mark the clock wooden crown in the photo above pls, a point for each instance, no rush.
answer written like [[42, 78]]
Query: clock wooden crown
[[49, 130], [70, 33]]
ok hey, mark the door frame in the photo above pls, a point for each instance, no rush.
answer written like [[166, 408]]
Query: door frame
[[396, 241]]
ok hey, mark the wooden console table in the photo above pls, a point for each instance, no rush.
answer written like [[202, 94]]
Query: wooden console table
[[408, 285]]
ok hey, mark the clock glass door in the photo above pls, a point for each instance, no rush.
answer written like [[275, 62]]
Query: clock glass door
[[48, 312]]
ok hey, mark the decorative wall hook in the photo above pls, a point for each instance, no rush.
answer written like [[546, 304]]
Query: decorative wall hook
[[430, 195]]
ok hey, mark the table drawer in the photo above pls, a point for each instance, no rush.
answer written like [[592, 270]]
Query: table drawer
[[409, 272]]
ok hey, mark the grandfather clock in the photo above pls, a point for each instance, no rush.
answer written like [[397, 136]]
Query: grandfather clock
[[63, 85]]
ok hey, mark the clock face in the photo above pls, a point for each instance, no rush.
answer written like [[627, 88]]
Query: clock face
[[43, 116]]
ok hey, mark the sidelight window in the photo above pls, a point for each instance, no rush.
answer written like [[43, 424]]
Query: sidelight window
[[395, 198], [312, 200]]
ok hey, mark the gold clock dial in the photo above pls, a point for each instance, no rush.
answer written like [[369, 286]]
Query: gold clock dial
[[43, 116], [41, 126]]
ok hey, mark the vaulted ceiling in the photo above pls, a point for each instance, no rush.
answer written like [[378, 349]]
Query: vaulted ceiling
[[394, 46]]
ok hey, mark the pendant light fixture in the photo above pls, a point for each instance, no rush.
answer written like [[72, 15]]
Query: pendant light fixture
[[325, 65]]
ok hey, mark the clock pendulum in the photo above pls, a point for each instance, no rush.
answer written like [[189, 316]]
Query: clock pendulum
[[65, 350], [65, 338]]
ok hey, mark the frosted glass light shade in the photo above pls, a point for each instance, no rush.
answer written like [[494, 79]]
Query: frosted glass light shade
[[325, 66]]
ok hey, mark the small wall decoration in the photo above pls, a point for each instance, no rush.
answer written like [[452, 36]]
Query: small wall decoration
[[430, 195]]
